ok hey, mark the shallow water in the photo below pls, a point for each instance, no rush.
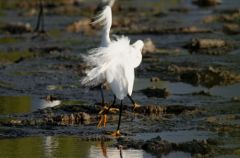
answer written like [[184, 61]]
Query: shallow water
[[24, 104], [177, 88], [67, 146], [44, 78], [63, 147]]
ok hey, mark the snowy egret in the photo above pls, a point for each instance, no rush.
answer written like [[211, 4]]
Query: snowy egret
[[105, 19], [113, 62]]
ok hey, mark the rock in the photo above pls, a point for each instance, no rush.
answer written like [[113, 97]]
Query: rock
[[192, 77], [230, 16], [193, 29], [203, 93], [208, 77], [178, 109], [235, 99], [157, 146], [85, 116], [141, 29], [210, 19], [149, 46], [195, 147], [231, 29], [127, 143], [207, 3], [159, 110], [208, 43], [17, 28], [82, 26], [73, 118], [209, 46], [212, 119], [156, 92], [151, 110], [180, 10], [48, 49], [155, 79]]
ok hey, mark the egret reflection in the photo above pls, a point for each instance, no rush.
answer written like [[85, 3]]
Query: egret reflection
[[103, 151], [50, 144]]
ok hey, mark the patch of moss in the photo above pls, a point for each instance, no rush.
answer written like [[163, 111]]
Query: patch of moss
[[16, 56]]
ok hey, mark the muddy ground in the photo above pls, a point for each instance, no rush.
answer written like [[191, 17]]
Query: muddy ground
[[187, 85]]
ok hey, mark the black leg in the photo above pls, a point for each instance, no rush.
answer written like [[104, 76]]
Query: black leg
[[114, 101], [40, 20], [121, 156], [43, 23], [131, 99], [120, 115], [102, 95]]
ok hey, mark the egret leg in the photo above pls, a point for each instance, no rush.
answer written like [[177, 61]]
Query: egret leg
[[133, 102], [103, 114], [43, 23], [40, 26], [39, 17], [117, 132], [102, 95]]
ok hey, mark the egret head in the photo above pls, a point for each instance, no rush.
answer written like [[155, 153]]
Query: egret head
[[138, 45]]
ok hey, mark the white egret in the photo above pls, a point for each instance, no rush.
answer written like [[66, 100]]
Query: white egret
[[113, 62], [105, 19]]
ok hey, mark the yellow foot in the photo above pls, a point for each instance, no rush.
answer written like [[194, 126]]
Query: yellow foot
[[102, 121], [136, 106], [116, 133]]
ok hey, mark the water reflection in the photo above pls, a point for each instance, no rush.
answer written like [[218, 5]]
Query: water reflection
[[112, 152], [24, 104], [63, 147], [50, 144]]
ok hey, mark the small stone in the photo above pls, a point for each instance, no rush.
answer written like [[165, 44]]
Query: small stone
[[231, 29], [80, 26], [156, 92], [17, 28], [149, 46], [155, 79]]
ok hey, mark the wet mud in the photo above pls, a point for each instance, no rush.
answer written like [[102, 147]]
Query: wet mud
[[188, 81]]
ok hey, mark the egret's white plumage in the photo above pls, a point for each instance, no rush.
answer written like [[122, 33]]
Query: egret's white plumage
[[114, 61], [105, 19], [115, 64]]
